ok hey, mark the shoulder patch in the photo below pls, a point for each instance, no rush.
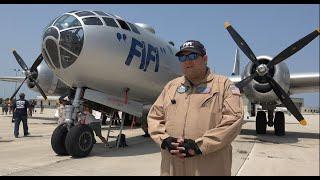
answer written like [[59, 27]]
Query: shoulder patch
[[182, 89], [234, 89]]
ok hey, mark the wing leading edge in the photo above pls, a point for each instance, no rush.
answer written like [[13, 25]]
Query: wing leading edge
[[11, 78]]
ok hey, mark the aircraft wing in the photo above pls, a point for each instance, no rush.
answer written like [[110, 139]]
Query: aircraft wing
[[304, 82], [299, 82], [12, 78]]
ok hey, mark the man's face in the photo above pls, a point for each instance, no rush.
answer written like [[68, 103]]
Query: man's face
[[194, 68]]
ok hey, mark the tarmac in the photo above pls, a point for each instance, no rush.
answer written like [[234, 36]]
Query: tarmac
[[295, 154]]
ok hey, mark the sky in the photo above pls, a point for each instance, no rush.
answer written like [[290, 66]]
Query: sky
[[267, 29]]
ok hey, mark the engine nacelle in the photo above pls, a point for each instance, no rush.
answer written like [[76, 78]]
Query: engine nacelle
[[259, 90], [48, 81]]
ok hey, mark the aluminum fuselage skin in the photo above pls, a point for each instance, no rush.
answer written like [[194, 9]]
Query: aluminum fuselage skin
[[102, 66]]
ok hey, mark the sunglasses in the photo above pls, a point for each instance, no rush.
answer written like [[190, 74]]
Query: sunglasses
[[191, 57]]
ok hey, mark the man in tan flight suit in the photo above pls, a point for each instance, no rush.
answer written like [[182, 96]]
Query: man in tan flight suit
[[196, 117]]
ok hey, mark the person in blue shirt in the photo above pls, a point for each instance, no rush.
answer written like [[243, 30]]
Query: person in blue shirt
[[20, 107]]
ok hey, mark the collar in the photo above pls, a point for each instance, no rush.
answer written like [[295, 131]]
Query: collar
[[209, 77]]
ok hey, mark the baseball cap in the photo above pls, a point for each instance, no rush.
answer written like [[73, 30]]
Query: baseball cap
[[192, 46]]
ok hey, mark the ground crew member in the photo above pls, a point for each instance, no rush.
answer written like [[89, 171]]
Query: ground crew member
[[61, 110], [196, 117], [88, 119], [20, 113]]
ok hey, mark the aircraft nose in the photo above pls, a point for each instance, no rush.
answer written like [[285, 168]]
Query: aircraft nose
[[63, 42]]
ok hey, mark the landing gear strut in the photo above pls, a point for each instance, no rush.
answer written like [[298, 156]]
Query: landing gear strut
[[270, 118]]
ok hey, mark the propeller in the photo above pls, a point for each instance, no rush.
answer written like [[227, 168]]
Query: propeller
[[295, 47], [246, 80], [241, 43], [285, 99], [262, 70], [30, 73]]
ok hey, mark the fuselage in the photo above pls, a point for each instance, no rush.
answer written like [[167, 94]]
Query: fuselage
[[108, 54]]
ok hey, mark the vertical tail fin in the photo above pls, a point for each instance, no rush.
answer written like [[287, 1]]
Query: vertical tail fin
[[236, 65]]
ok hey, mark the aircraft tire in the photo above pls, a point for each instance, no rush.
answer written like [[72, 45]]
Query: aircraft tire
[[58, 140], [79, 141], [261, 123], [279, 124]]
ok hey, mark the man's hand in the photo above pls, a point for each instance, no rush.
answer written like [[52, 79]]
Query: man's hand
[[167, 143], [178, 148], [191, 148], [185, 148]]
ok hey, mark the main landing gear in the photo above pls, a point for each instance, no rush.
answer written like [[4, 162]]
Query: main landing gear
[[278, 122]]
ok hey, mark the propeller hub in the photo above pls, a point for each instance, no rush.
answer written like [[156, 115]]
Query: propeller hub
[[262, 69], [28, 73]]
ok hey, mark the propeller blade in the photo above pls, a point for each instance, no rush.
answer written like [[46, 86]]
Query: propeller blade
[[14, 94], [286, 100], [241, 43], [39, 88], [295, 47], [246, 80], [20, 60], [36, 63]]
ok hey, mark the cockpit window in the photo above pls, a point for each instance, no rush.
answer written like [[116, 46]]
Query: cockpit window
[[51, 32], [101, 13], [46, 58], [92, 21], [67, 58], [52, 49], [110, 22], [66, 21], [84, 13], [72, 40], [123, 24], [134, 28]]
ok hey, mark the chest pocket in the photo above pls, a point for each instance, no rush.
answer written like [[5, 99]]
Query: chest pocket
[[210, 112], [211, 102]]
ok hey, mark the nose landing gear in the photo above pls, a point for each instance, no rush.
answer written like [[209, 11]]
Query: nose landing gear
[[71, 137]]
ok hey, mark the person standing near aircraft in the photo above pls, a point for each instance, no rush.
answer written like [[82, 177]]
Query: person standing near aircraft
[[61, 112], [88, 119], [20, 113], [41, 107], [2, 106], [6, 105], [196, 117]]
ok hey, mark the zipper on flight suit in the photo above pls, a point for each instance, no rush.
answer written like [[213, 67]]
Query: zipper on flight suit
[[186, 115], [184, 126]]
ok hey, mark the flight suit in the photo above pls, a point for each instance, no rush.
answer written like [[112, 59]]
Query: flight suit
[[210, 113]]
